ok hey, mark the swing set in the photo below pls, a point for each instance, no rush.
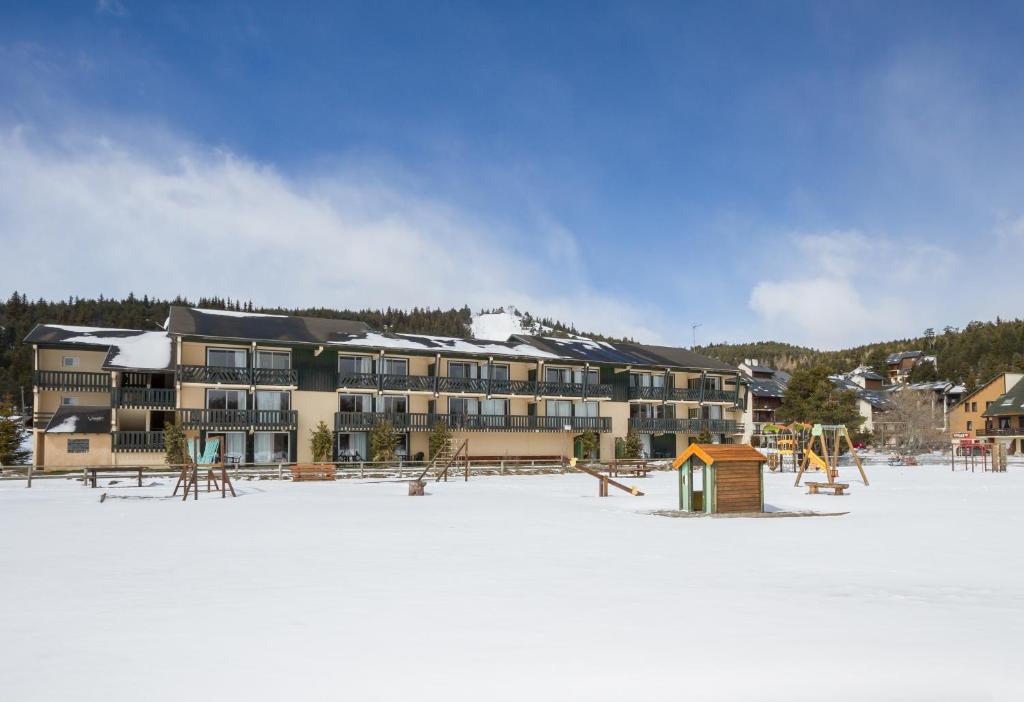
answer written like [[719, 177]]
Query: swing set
[[828, 439]]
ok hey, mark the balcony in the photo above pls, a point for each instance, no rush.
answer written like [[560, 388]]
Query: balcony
[[144, 398], [138, 441], [220, 375], [283, 420], [651, 425], [425, 421], [547, 388], [1004, 431], [660, 393], [82, 381]]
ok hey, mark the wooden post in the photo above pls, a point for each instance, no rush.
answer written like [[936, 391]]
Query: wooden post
[[30, 467]]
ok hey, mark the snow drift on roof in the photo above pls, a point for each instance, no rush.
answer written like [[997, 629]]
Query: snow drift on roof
[[145, 350], [421, 342], [233, 313], [67, 426]]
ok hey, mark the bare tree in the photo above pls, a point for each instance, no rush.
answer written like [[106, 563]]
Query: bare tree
[[917, 421]]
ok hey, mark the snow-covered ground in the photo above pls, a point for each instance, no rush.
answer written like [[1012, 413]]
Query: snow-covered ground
[[513, 588]]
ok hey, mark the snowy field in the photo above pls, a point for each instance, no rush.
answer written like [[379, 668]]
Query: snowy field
[[513, 588]]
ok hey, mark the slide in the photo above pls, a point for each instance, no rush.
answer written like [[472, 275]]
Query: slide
[[816, 460]]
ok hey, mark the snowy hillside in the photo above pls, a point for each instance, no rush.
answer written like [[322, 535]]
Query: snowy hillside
[[501, 325]]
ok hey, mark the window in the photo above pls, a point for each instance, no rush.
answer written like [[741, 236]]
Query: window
[[276, 400], [494, 407], [497, 371], [585, 409], [233, 449], [226, 358], [78, 446], [274, 359], [558, 408], [463, 405], [558, 375], [974, 406], [395, 366], [355, 403], [353, 446], [271, 447], [225, 399], [393, 403], [970, 425], [69, 401], [70, 361], [461, 369], [351, 365]]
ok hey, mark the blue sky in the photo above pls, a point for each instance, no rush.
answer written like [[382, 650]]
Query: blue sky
[[810, 172]]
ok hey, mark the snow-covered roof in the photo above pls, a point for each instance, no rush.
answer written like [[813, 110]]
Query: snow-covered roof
[[70, 419], [901, 355], [879, 399], [441, 344], [1009, 403], [127, 349], [624, 353]]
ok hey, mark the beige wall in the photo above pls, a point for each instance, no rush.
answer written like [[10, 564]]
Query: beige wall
[[56, 454], [89, 361], [312, 407], [50, 400]]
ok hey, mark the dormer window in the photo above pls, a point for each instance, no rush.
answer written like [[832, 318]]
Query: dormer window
[[70, 361]]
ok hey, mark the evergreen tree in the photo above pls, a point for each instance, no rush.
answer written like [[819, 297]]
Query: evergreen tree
[[811, 397], [13, 434], [704, 437], [440, 437], [321, 442], [632, 447], [384, 441], [588, 444], [175, 445]]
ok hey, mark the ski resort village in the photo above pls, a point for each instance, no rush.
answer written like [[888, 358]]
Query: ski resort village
[[455, 507], [511, 352]]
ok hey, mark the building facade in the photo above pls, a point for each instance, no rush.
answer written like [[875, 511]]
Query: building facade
[[968, 416], [262, 383]]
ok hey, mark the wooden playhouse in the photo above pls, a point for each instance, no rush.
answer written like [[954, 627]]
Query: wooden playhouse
[[733, 479]]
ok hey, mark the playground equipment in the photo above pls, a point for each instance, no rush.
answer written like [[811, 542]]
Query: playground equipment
[[604, 481], [446, 459], [991, 457], [733, 478], [784, 445], [189, 477], [828, 437]]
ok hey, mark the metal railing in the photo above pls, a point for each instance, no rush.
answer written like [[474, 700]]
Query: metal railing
[[425, 421], [1001, 431], [275, 376], [652, 425], [144, 397], [214, 374], [128, 441], [83, 381], [239, 419]]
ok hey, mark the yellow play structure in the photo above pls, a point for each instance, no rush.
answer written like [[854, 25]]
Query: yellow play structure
[[827, 438]]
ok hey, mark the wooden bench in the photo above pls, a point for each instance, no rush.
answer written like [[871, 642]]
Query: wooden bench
[[314, 472], [836, 488], [92, 473], [637, 469]]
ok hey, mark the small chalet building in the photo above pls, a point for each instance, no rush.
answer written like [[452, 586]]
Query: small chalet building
[[873, 398], [968, 416], [900, 364]]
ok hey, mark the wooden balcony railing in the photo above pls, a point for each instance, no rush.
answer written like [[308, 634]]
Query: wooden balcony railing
[[651, 425], [239, 419], [425, 421], [275, 376], [82, 381], [144, 398], [125, 441], [214, 374]]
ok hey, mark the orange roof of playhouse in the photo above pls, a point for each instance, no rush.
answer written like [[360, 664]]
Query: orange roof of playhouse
[[720, 453]]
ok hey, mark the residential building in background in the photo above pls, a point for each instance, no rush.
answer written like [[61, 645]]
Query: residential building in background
[[967, 417], [766, 388], [900, 364], [261, 383]]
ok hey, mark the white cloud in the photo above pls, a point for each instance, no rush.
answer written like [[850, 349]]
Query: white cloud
[[86, 214], [845, 288]]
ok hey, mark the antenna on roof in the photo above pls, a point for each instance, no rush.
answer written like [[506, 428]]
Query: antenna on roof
[[693, 328]]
